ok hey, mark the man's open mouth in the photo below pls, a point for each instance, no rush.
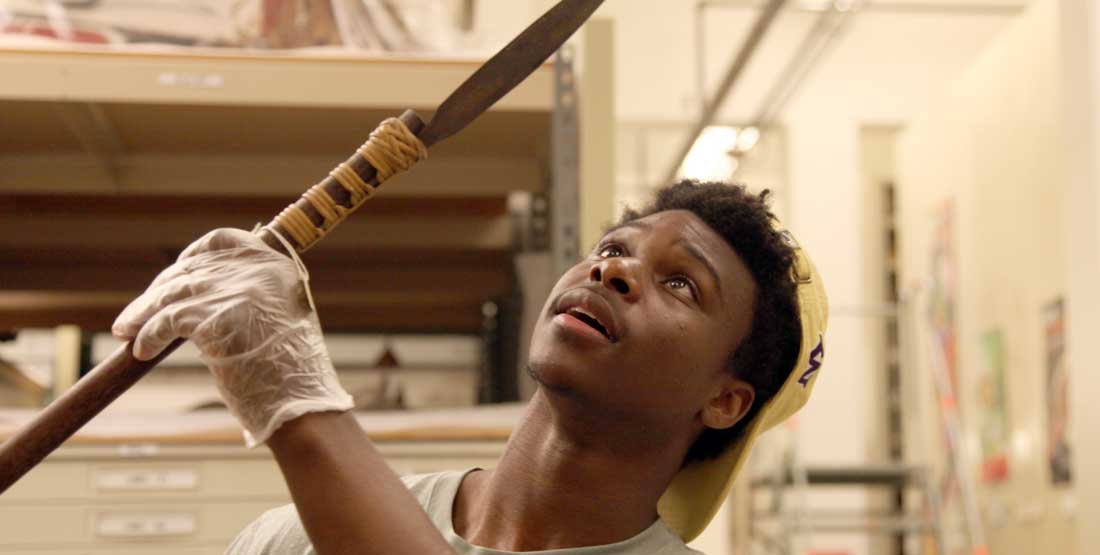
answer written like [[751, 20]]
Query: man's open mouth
[[589, 309], [592, 321]]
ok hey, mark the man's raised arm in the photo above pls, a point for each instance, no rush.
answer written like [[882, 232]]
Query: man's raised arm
[[248, 310]]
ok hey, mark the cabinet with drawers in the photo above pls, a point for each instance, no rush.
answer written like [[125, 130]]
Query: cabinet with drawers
[[173, 499]]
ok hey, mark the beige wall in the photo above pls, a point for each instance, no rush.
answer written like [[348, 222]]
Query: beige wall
[[1081, 96], [994, 148]]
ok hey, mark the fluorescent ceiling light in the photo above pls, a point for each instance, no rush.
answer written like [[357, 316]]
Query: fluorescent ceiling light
[[712, 156], [747, 139], [815, 5]]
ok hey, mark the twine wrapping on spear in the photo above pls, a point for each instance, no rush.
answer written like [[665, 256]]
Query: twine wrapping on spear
[[391, 149]]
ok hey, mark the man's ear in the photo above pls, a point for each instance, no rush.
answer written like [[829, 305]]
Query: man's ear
[[729, 404]]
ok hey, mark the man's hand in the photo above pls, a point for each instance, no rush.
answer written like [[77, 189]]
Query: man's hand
[[245, 306]]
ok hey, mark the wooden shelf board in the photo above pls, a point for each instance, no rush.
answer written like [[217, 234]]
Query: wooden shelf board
[[288, 176], [454, 311], [207, 77], [181, 129]]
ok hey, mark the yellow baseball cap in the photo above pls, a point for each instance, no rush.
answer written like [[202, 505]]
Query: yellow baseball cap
[[698, 491]]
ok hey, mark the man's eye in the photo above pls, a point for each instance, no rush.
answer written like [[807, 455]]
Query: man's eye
[[682, 283], [679, 283], [611, 251]]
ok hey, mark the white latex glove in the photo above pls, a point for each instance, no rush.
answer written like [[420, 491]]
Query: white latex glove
[[247, 308]]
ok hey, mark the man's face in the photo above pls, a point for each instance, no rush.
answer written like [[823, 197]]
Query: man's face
[[643, 328]]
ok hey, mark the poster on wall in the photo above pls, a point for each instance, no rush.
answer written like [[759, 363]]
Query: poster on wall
[[1057, 377], [992, 404]]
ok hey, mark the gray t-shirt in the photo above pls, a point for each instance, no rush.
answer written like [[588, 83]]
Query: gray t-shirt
[[280, 532]]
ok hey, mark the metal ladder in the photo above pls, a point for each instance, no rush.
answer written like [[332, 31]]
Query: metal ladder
[[952, 426]]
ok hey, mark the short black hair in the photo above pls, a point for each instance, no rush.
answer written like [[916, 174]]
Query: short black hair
[[767, 355]]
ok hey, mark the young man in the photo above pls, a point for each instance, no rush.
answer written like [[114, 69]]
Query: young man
[[692, 327]]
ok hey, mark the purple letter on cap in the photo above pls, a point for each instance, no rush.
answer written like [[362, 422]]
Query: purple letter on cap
[[816, 357]]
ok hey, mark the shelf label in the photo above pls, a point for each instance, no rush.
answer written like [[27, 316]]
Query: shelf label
[[187, 80]]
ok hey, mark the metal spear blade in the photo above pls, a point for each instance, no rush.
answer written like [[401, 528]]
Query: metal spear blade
[[507, 68]]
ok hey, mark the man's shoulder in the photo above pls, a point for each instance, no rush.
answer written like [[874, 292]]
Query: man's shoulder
[[280, 531], [276, 531]]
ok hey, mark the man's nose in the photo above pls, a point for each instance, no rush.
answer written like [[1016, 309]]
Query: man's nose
[[617, 274]]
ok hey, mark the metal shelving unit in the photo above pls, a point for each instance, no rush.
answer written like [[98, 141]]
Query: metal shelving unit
[[778, 526]]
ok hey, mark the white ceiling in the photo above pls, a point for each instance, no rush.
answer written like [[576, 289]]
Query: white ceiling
[[890, 49], [889, 60]]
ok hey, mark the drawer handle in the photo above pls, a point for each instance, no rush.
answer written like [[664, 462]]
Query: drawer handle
[[147, 480], [145, 525]]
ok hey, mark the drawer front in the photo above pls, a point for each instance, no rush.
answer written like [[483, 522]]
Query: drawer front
[[188, 479], [103, 525], [185, 480]]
